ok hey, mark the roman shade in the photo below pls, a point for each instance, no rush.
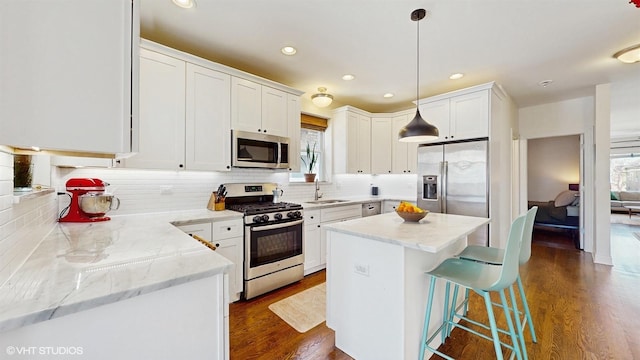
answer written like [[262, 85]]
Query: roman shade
[[313, 122]]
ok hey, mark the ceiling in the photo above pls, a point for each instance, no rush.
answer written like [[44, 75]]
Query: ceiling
[[517, 43]]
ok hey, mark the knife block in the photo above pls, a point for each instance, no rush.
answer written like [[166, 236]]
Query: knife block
[[214, 204]]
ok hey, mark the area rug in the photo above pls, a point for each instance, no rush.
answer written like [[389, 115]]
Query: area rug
[[304, 310]]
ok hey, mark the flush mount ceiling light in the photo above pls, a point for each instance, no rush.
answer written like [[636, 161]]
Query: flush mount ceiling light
[[348, 77], [418, 129], [629, 55], [322, 99], [289, 50], [186, 4]]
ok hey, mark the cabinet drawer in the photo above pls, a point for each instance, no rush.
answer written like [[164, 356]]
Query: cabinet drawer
[[201, 229], [227, 229], [342, 212], [311, 217]]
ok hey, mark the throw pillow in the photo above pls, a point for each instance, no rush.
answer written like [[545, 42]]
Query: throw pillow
[[614, 196], [565, 198]]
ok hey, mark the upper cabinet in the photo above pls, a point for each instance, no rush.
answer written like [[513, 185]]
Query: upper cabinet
[[458, 117], [404, 155], [258, 108], [184, 115], [69, 74], [187, 105], [351, 141], [381, 145]]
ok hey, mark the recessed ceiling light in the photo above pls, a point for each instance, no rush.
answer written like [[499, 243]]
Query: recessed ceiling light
[[456, 76], [388, 95], [348, 77], [289, 50], [545, 83], [186, 4]]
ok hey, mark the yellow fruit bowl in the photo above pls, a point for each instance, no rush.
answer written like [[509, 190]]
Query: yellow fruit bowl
[[412, 216]]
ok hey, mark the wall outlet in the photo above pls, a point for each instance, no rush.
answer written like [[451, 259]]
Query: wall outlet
[[166, 189], [362, 269]]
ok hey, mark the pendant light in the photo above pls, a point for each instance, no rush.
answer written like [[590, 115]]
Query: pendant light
[[418, 129]]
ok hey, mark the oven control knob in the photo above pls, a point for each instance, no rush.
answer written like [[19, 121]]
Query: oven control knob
[[298, 214], [278, 216], [290, 215], [265, 218], [257, 219]]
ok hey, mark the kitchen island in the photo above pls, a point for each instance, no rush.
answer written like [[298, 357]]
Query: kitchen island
[[129, 288], [376, 282]]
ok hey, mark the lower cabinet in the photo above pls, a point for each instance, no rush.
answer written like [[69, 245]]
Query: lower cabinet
[[315, 243], [391, 205], [227, 237]]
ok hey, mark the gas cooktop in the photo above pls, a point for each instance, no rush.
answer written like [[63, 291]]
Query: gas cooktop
[[263, 207]]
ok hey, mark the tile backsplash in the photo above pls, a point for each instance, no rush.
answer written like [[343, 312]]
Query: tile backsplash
[[22, 225]]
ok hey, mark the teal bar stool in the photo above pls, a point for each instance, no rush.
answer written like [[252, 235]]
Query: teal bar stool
[[494, 256], [483, 279]]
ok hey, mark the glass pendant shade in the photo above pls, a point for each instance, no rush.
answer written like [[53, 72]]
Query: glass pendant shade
[[322, 99], [418, 130]]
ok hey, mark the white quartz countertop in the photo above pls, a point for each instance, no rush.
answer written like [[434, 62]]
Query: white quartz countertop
[[312, 205], [432, 234], [78, 266]]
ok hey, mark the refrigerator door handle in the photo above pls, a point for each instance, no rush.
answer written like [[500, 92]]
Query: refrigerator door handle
[[443, 193]]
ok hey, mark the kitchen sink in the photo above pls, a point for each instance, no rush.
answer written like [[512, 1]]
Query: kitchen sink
[[328, 201]]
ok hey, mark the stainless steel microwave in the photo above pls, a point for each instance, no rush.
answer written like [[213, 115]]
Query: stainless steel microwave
[[256, 150]]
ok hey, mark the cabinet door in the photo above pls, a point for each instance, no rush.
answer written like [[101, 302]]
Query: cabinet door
[[364, 145], [352, 143], [293, 115], [312, 251], [470, 115], [232, 250], [66, 74], [437, 113], [246, 105], [208, 119], [404, 155], [274, 112], [381, 146], [162, 110]]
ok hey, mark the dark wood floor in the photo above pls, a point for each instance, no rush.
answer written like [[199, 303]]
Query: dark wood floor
[[581, 310]]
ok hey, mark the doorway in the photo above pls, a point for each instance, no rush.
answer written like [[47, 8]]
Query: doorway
[[553, 184]]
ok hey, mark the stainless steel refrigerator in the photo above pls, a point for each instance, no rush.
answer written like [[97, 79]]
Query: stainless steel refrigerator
[[453, 179]]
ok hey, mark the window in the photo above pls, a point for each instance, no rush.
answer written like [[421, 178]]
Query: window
[[311, 133], [625, 173], [311, 137]]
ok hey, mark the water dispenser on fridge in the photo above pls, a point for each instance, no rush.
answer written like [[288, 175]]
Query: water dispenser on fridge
[[430, 187]]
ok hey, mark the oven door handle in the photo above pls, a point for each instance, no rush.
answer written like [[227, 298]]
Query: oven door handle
[[276, 226]]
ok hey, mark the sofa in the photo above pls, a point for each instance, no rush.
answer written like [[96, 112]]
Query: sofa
[[621, 198]]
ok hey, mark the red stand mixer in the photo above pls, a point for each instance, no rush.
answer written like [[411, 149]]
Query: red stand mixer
[[89, 202]]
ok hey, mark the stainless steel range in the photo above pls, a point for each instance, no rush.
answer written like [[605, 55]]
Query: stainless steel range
[[273, 237]]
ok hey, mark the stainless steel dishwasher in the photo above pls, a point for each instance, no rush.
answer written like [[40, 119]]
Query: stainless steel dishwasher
[[372, 208]]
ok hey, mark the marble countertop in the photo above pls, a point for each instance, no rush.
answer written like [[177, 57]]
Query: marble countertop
[[348, 201], [79, 266], [432, 234]]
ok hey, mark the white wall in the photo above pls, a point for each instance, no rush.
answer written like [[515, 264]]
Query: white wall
[[22, 225], [553, 163], [625, 107]]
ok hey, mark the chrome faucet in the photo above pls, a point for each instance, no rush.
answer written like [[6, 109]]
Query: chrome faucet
[[317, 195]]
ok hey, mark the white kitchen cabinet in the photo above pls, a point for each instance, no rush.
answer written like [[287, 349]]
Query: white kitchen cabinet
[[69, 74], [162, 109], [184, 115], [227, 236], [293, 116], [208, 124], [258, 108], [351, 141], [459, 117], [312, 248], [404, 155], [381, 146]]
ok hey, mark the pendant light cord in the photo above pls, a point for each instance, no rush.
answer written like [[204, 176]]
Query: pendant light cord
[[418, 66]]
